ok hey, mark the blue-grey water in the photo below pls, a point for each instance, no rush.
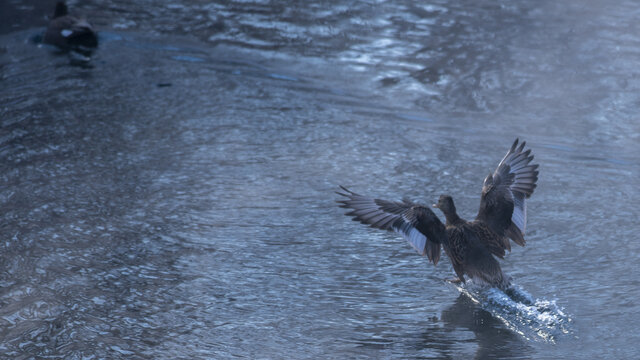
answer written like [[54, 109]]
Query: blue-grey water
[[173, 197]]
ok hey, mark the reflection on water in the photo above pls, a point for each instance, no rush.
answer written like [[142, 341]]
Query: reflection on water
[[493, 340], [176, 199]]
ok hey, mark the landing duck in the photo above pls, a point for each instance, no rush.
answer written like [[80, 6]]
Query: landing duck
[[68, 32], [472, 246]]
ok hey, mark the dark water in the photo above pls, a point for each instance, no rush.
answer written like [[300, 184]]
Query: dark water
[[174, 197]]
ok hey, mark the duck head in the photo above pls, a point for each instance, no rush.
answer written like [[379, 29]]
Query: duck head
[[61, 10], [445, 204]]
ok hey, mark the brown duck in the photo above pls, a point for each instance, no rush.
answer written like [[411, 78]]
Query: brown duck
[[471, 245], [68, 32]]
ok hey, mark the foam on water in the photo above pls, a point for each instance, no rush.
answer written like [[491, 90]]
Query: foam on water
[[534, 319]]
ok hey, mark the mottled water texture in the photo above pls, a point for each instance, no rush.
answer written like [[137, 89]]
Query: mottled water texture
[[173, 197]]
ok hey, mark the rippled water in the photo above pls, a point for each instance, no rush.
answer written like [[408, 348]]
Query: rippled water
[[174, 197]]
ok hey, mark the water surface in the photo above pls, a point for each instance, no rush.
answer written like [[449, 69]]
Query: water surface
[[174, 196]]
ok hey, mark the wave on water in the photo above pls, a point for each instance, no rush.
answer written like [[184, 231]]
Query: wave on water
[[534, 319]]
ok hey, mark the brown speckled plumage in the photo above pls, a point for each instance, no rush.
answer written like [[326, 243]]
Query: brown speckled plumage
[[470, 245]]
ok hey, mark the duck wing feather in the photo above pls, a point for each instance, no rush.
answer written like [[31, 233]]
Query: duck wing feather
[[416, 223], [503, 204]]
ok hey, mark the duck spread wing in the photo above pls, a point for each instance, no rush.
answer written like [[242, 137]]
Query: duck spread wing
[[503, 206], [416, 223]]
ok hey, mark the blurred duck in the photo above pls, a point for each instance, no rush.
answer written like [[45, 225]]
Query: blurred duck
[[470, 245], [68, 32]]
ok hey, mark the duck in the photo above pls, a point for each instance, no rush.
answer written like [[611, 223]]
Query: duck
[[68, 32], [473, 247]]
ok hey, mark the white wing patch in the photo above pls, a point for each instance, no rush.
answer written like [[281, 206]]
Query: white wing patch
[[66, 32], [417, 240], [519, 216], [413, 236]]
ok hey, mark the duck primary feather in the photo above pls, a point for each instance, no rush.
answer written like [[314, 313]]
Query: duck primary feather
[[472, 246]]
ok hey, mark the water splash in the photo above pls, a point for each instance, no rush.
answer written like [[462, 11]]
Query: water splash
[[534, 319]]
